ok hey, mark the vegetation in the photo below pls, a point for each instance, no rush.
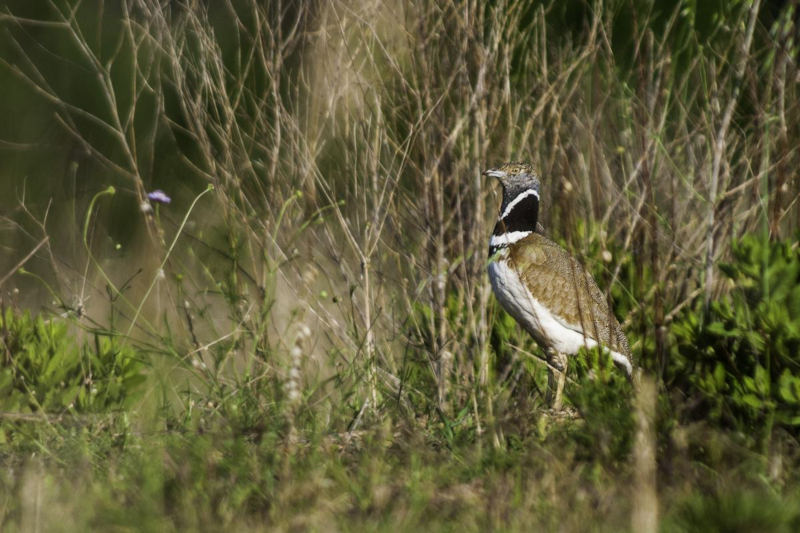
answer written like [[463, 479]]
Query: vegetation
[[298, 333]]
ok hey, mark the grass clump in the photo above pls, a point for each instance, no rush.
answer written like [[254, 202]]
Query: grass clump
[[47, 371]]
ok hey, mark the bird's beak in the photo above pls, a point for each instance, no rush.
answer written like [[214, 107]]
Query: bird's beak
[[493, 173]]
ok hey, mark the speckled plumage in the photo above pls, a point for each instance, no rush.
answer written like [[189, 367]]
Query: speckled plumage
[[540, 284], [570, 292]]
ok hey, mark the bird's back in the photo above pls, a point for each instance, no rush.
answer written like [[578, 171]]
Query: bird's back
[[570, 292]]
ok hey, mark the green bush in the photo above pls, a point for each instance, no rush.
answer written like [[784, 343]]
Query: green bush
[[46, 370], [604, 398], [741, 361]]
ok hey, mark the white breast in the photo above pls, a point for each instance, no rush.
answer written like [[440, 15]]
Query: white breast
[[545, 327]]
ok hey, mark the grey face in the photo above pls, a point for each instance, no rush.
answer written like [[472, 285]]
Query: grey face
[[516, 178]]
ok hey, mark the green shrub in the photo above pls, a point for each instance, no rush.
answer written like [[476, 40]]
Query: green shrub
[[604, 398], [46, 370], [741, 361]]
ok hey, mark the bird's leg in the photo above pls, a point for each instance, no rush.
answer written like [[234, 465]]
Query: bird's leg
[[556, 376]]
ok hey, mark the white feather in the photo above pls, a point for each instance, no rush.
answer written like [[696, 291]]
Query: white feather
[[509, 237], [535, 317], [518, 199]]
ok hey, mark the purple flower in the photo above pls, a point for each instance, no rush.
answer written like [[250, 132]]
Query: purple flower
[[159, 196]]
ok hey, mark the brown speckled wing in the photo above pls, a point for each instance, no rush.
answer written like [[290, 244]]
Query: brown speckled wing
[[569, 291]]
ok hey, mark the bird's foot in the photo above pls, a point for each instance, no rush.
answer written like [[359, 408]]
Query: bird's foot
[[557, 376]]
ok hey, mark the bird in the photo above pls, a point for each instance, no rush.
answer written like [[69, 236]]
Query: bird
[[544, 288]]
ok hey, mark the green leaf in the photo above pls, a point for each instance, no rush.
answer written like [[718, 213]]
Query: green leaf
[[789, 387], [729, 269], [752, 400], [762, 381], [718, 328], [719, 375]]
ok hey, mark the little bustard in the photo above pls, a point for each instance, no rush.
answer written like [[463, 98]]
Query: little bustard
[[547, 291]]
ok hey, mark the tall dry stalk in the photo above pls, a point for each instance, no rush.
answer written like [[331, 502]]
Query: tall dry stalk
[[644, 497], [720, 145]]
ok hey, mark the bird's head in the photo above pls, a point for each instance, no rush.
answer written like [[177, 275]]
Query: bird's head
[[515, 178]]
